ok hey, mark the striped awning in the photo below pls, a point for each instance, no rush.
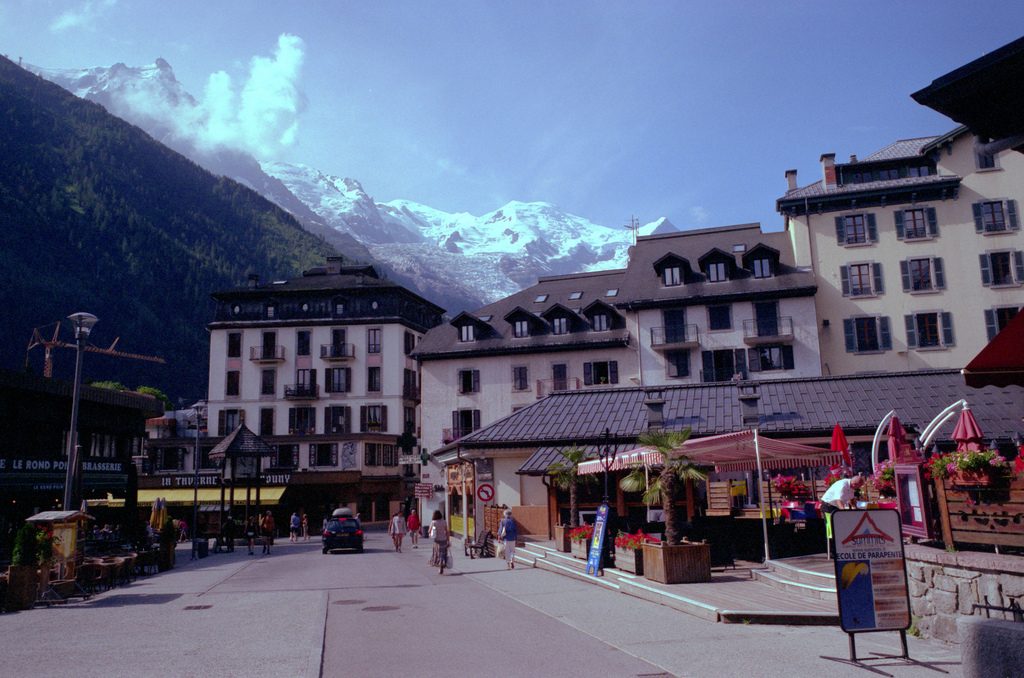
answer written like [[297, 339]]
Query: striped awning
[[623, 461], [736, 452]]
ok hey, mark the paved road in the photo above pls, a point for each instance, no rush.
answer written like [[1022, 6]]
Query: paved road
[[300, 613]]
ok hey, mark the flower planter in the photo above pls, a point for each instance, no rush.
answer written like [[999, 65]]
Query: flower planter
[[630, 560], [580, 549], [677, 564], [971, 479], [562, 541], [22, 587]]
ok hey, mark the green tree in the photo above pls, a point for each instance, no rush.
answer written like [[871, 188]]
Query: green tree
[[158, 394], [674, 467], [109, 385], [565, 475]]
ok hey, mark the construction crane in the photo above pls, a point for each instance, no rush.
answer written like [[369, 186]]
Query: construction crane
[[55, 341]]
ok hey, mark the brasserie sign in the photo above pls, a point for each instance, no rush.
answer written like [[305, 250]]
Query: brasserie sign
[[28, 465]]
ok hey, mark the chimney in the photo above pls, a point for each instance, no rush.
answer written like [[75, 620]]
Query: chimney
[[853, 158], [747, 394], [828, 169], [334, 265], [791, 179], [254, 280], [654, 400]]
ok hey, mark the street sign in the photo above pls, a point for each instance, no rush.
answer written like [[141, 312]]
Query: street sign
[[423, 491], [871, 575], [410, 459], [485, 492]]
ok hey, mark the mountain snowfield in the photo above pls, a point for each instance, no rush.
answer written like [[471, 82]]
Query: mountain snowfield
[[476, 259]]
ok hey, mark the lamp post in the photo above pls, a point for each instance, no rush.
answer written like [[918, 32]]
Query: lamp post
[[198, 412], [607, 456], [82, 323]]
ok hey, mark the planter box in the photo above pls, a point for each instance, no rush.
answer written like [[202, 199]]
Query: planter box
[[580, 549], [971, 479], [679, 564], [22, 587], [630, 560], [562, 541]]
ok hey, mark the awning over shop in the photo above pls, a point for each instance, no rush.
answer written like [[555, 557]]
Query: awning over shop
[[738, 452], [1001, 362], [541, 460], [627, 460], [182, 496]]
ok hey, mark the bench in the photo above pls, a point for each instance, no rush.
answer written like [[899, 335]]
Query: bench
[[481, 545]]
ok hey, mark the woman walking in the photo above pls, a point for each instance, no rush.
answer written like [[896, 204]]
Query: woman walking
[[250, 533], [439, 533], [305, 527], [507, 533], [396, 528], [413, 523]]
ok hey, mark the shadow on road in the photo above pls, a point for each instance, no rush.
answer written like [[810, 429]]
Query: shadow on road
[[120, 600]]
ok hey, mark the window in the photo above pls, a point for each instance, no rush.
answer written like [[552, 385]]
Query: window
[[613, 292], [337, 419], [916, 224], [540, 298], [339, 379], [1002, 268], [323, 454], [271, 311], [770, 357], [762, 268], [671, 276], [862, 280], [373, 418], [724, 364], [268, 382], [466, 333], [409, 419], [995, 216], [371, 454], [269, 349], [716, 271], [601, 372], [719, 317], [302, 342], [373, 340], [228, 421], [856, 229], [301, 421], [922, 275], [464, 422], [575, 295], [867, 334], [929, 330], [675, 325], [410, 342], [559, 377], [234, 344], [600, 322], [339, 308], [521, 328], [678, 363], [985, 161], [559, 325], [520, 378], [305, 383], [388, 455], [287, 456], [996, 319], [266, 421], [232, 383], [372, 379], [409, 388], [469, 381]]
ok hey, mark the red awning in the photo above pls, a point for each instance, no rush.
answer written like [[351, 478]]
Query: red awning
[[735, 452], [1001, 362]]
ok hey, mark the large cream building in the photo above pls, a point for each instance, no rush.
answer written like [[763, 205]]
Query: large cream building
[[916, 251]]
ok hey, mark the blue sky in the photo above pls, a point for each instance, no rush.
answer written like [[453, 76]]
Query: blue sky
[[687, 110]]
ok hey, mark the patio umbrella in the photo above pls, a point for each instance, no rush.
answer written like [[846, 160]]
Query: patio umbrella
[[154, 513], [897, 439], [967, 434], [839, 444]]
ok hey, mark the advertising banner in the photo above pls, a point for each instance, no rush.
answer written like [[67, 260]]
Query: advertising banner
[[597, 540]]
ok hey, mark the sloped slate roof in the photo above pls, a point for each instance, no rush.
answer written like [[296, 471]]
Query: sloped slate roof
[[817, 189], [541, 460], [790, 407], [904, 148], [242, 443]]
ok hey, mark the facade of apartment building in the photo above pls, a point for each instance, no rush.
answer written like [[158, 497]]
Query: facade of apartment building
[[320, 367], [917, 252]]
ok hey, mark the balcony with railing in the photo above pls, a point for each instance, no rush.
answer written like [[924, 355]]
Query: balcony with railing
[[768, 330], [548, 386], [411, 392], [301, 392], [674, 337], [266, 354], [337, 352]]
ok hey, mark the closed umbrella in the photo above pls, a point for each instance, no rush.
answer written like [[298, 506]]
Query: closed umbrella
[[840, 445], [897, 439], [967, 434]]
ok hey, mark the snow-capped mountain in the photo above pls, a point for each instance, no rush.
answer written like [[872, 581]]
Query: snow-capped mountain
[[460, 259]]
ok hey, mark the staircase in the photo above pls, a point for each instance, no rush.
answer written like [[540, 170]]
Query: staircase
[[811, 576]]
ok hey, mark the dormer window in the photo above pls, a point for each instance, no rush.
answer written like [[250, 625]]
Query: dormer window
[[716, 271], [271, 311], [560, 325], [521, 328], [466, 333], [762, 267], [672, 276], [600, 322]]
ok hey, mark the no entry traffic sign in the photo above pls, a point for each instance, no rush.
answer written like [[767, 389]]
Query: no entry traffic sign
[[485, 492]]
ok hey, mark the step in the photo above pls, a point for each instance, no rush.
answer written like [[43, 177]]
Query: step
[[801, 574], [777, 581], [788, 618]]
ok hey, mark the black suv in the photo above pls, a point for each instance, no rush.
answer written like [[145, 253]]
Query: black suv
[[343, 532]]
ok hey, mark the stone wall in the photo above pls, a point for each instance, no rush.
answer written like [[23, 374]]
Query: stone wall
[[944, 586]]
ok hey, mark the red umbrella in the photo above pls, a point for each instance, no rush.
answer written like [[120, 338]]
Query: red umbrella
[[897, 439], [839, 444], [967, 434]]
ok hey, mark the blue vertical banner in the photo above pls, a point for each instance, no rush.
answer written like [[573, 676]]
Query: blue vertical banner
[[597, 540]]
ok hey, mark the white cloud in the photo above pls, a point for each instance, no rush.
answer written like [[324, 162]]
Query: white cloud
[[82, 17], [699, 214]]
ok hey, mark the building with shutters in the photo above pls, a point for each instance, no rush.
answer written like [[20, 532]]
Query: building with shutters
[[917, 251]]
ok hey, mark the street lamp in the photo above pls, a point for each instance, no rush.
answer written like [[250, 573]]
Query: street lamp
[[82, 323], [198, 412], [606, 454]]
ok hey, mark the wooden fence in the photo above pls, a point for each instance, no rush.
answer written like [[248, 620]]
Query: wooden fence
[[983, 515]]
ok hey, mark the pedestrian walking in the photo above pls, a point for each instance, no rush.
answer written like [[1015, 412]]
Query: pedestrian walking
[[267, 527], [305, 527], [396, 528], [293, 527], [441, 556], [250, 532], [508, 534], [413, 525], [229, 534]]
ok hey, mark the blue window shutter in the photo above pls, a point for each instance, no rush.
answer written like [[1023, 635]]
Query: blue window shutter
[[879, 283], [898, 216], [588, 373], [905, 275], [884, 334], [613, 371], [476, 419], [1018, 263], [872, 228], [1011, 212], [850, 335], [990, 324], [476, 381], [979, 225], [986, 269], [708, 362], [787, 357], [754, 359], [947, 329], [911, 331], [841, 230], [740, 356], [844, 275], [933, 222], [940, 275]]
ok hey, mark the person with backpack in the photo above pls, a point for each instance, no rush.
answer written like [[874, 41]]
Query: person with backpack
[[508, 534]]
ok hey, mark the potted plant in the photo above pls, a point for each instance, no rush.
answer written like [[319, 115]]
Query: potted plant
[[884, 480], [565, 476], [22, 577], [790, 488], [671, 561], [969, 468], [629, 554], [580, 540]]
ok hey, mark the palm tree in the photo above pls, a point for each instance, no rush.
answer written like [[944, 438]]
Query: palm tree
[[663, 487], [565, 476]]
